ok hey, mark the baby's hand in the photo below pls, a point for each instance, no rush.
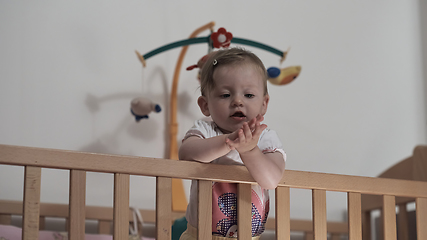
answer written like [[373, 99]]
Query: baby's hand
[[246, 138], [252, 123], [258, 119]]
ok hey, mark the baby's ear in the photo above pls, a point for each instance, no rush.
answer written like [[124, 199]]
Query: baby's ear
[[203, 104], [265, 104]]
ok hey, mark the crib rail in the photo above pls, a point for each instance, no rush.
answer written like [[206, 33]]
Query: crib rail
[[33, 159]]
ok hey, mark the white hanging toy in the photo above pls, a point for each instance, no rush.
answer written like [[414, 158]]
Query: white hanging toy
[[140, 107]]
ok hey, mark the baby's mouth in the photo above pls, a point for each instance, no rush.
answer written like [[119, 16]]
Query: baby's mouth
[[238, 115]]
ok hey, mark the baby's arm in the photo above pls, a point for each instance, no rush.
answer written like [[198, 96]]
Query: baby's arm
[[203, 149], [267, 169], [206, 150]]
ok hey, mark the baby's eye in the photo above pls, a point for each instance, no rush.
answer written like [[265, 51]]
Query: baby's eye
[[249, 95], [225, 95]]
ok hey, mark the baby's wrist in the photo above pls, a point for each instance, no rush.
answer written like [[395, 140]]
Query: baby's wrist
[[226, 142], [248, 152]]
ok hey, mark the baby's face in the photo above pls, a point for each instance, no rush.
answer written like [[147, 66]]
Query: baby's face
[[238, 96]]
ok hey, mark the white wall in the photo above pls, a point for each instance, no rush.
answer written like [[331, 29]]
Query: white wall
[[68, 72]]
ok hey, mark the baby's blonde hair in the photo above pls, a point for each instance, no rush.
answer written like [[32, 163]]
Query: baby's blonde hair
[[228, 56]]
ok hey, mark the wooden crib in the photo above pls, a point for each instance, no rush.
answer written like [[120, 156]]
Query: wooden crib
[[33, 159]]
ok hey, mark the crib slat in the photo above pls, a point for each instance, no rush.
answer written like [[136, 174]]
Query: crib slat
[[77, 204], [421, 208], [30, 221], [283, 220], [244, 211], [121, 206], [366, 225], [389, 217], [319, 215], [204, 209], [403, 233], [354, 216], [163, 208]]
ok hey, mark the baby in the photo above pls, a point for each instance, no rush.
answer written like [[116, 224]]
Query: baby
[[234, 94]]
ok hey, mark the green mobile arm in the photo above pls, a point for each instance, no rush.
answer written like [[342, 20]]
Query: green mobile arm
[[191, 41]]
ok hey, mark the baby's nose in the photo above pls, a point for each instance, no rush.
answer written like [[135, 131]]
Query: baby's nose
[[237, 101]]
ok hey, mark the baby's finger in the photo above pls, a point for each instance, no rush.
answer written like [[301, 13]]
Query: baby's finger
[[231, 144], [252, 123], [234, 135], [242, 137], [258, 129], [247, 130]]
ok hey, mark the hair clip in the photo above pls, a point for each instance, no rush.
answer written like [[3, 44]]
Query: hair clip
[[215, 62]]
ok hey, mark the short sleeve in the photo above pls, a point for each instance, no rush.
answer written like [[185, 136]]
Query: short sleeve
[[202, 129], [269, 142]]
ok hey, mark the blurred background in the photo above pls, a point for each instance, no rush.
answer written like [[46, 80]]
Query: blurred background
[[68, 71]]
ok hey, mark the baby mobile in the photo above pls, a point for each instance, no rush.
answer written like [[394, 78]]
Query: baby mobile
[[141, 107]]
